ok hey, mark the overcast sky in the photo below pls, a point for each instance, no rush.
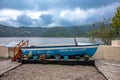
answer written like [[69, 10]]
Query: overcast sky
[[49, 13]]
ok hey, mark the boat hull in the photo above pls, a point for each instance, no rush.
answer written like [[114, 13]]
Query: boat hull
[[61, 50]]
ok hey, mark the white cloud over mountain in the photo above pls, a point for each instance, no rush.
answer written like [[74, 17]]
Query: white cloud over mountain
[[53, 15]]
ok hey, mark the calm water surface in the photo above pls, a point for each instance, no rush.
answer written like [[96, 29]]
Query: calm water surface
[[44, 40]]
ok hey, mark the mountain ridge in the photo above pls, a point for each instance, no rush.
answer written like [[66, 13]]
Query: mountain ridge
[[71, 31]]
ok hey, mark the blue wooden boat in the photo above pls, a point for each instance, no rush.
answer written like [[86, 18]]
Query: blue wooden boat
[[61, 50]]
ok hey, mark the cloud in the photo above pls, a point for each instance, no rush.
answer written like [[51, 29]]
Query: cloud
[[10, 22], [6, 13], [47, 19], [28, 21], [24, 20], [79, 16], [72, 15], [50, 4], [67, 14]]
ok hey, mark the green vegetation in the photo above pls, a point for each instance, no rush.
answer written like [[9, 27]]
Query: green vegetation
[[116, 21], [9, 31], [57, 32], [72, 31], [105, 32]]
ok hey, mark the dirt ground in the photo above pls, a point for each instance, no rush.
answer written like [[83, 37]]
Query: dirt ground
[[2, 58], [52, 72]]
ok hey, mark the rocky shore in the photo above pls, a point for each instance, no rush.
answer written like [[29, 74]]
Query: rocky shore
[[52, 72]]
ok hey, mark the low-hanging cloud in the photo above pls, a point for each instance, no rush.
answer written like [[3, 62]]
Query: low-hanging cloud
[[47, 19], [24, 20]]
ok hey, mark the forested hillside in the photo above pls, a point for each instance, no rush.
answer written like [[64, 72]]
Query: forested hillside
[[72, 31]]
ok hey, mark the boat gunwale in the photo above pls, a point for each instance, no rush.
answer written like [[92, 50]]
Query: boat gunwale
[[55, 48]]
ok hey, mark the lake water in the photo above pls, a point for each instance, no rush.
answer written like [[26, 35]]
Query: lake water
[[44, 40]]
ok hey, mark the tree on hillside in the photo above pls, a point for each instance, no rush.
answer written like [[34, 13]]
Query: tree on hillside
[[105, 32], [116, 21]]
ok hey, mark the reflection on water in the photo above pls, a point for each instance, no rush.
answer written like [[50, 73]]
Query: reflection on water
[[44, 40]]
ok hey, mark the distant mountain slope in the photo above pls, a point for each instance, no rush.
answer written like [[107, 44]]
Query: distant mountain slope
[[71, 31], [8, 31], [57, 32], [77, 31]]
